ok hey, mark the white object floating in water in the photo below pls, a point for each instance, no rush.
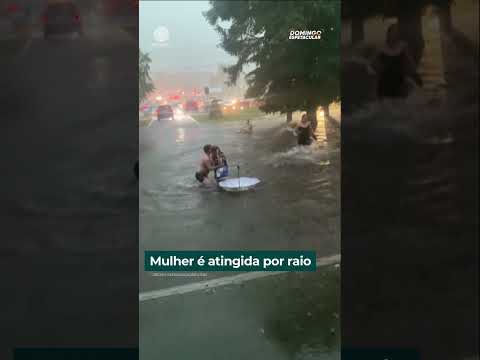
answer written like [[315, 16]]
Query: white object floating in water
[[238, 184]]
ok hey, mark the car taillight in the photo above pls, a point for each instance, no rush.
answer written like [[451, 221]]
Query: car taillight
[[12, 8], [76, 17], [44, 18]]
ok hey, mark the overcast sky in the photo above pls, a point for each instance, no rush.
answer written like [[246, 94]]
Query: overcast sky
[[191, 43]]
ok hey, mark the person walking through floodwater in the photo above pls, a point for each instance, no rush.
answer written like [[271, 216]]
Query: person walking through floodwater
[[394, 65], [305, 132]]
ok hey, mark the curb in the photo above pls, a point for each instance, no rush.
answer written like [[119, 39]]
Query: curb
[[18, 47]]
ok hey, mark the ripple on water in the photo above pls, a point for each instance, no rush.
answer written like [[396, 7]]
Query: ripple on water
[[183, 193], [299, 155]]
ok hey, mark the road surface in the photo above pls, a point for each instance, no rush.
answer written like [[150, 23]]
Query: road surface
[[296, 206], [70, 200]]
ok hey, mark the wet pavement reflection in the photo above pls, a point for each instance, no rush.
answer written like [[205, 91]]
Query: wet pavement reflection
[[289, 316], [296, 206]]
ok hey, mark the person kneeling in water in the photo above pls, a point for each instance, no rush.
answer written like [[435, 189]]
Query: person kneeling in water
[[248, 129], [205, 164], [219, 163]]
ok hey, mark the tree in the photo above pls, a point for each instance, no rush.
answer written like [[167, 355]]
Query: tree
[[408, 13], [445, 15], [289, 75], [145, 85], [358, 12]]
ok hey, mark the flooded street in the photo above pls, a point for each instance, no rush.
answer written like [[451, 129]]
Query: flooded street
[[296, 206], [410, 205], [291, 316]]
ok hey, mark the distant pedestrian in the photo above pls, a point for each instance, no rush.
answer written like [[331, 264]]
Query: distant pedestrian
[[248, 129]]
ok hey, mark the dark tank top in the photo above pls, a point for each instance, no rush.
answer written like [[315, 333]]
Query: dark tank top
[[303, 135], [392, 76]]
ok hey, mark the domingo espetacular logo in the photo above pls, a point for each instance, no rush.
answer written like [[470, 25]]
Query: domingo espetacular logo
[[305, 35]]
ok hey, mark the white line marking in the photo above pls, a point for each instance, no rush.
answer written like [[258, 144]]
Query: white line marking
[[227, 280], [150, 123], [25, 48]]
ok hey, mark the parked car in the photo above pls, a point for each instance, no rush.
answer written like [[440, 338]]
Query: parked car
[[165, 112], [61, 17], [245, 104], [215, 109], [191, 105], [230, 107]]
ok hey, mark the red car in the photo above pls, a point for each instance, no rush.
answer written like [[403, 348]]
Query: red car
[[245, 104], [191, 105]]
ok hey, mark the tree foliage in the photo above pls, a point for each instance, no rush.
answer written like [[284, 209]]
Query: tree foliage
[[367, 9], [288, 74], [145, 84]]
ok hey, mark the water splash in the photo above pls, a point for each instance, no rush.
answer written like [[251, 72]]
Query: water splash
[[314, 154], [418, 119]]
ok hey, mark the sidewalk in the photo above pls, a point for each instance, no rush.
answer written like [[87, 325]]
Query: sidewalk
[[127, 24], [12, 40], [10, 49], [6, 28], [286, 316]]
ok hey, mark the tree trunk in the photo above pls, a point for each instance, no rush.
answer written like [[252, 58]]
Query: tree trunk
[[326, 110], [312, 116], [289, 116], [445, 17], [358, 30], [410, 26]]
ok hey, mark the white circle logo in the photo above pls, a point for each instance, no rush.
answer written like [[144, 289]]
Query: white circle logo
[[161, 35]]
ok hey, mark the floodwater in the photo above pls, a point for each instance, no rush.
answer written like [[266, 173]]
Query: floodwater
[[296, 205], [410, 205], [292, 316]]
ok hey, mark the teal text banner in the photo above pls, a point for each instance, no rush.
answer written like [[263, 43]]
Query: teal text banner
[[75, 354], [379, 354], [206, 261]]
